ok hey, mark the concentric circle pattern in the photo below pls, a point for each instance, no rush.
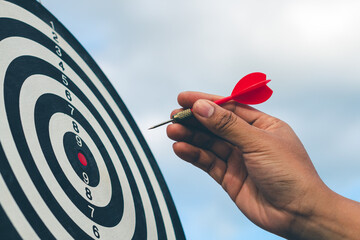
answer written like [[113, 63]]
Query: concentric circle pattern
[[73, 164]]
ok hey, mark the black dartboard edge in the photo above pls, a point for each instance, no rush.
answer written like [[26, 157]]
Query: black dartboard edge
[[73, 163]]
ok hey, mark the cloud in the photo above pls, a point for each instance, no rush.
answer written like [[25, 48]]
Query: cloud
[[152, 50]]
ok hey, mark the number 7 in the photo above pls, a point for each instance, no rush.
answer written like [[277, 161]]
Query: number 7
[[92, 211], [72, 109]]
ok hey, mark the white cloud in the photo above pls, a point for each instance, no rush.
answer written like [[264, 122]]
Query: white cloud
[[152, 50]]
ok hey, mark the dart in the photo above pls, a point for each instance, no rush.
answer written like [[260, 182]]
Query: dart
[[251, 89]]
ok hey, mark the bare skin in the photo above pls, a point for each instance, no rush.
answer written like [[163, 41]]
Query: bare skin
[[263, 166]]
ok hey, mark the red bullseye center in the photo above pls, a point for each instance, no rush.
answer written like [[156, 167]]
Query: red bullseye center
[[82, 159]]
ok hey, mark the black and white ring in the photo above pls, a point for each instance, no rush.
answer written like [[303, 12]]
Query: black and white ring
[[56, 104]]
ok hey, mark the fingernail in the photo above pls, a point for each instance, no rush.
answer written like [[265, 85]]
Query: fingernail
[[203, 108]]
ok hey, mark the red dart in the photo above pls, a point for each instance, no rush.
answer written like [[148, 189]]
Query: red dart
[[251, 89]]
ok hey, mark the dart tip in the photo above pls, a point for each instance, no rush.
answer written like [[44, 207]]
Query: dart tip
[[160, 124], [153, 127]]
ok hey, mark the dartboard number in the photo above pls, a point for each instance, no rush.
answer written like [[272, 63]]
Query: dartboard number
[[68, 95], [58, 50], [72, 110], [87, 190], [55, 36], [91, 211], [89, 196], [66, 83], [52, 25], [86, 178], [88, 193], [75, 127], [78, 140], [62, 66], [64, 80], [96, 232]]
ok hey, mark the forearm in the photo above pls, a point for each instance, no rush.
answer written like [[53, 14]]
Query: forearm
[[335, 218]]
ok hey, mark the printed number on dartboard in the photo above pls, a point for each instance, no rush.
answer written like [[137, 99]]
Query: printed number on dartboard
[[75, 126], [57, 48], [89, 196]]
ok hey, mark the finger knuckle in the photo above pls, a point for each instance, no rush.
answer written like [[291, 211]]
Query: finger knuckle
[[225, 122]]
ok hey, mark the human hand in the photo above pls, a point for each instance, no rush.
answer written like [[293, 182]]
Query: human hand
[[257, 159]]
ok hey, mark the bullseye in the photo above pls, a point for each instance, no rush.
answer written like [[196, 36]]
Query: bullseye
[[82, 159]]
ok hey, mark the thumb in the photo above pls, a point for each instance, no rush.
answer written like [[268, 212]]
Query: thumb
[[225, 123]]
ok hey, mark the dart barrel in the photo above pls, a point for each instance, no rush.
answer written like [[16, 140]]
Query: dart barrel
[[180, 116]]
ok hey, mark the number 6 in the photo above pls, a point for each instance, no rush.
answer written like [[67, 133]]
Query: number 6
[[96, 232]]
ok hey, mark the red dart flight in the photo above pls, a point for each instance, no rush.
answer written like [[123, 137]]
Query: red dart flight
[[251, 89]]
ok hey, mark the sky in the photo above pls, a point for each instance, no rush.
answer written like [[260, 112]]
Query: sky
[[152, 50]]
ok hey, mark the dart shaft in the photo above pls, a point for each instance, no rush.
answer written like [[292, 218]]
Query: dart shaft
[[223, 100]]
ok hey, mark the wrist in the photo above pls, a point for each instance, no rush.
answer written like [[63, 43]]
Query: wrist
[[332, 217]]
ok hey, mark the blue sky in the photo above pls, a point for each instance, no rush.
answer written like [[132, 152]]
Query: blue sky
[[152, 50]]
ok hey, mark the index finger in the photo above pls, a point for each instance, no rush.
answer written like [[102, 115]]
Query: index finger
[[187, 99], [247, 113]]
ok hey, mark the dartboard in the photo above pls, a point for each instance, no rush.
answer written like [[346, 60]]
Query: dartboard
[[73, 163]]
